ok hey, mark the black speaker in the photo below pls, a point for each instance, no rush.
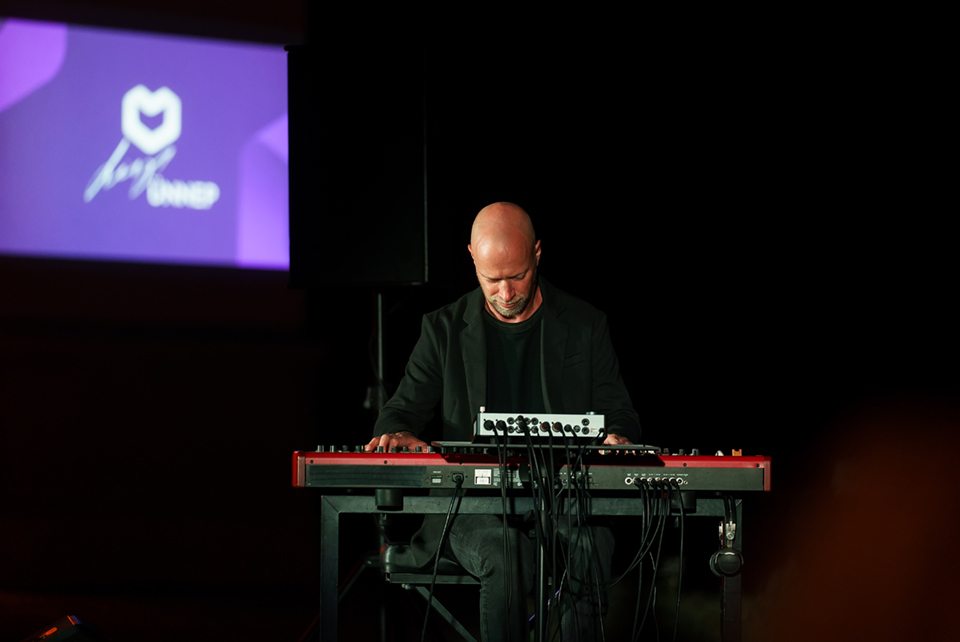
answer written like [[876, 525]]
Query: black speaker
[[69, 627], [357, 162]]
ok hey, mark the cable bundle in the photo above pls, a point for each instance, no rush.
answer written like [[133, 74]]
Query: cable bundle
[[563, 534]]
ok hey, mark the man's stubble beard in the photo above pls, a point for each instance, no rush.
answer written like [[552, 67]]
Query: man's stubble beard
[[521, 305]]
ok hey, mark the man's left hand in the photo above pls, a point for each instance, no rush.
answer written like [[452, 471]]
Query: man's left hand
[[614, 439]]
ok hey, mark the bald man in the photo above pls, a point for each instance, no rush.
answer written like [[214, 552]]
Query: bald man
[[516, 344]]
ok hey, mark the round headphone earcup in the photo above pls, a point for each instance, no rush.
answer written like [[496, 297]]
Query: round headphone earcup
[[726, 562]]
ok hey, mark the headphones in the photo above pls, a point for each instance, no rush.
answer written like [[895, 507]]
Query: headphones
[[728, 561]]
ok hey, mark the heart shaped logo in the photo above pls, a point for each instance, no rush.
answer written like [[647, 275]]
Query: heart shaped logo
[[151, 103]]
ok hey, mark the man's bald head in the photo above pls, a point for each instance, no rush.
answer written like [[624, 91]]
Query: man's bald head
[[506, 252], [502, 225]]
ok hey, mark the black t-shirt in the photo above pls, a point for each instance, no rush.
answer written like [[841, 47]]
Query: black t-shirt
[[513, 365]]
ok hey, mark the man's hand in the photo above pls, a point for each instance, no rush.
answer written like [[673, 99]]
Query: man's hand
[[399, 439], [614, 439]]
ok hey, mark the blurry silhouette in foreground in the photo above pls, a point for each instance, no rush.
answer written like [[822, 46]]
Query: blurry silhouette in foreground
[[869, 548]]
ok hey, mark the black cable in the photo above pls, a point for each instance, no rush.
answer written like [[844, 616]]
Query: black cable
[[553, 525], [504, 480], [645, 534], [655, 563], [653, 521], [636, 611], [676, 618], [537, 494], [591, 579], [665, 515], [729, 513], [564, 549], [561, 593], [650, 596], [584, 542], [597, 580], [582, 497], [436, 564]]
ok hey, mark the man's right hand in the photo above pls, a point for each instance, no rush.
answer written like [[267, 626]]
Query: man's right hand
[[399, 439]]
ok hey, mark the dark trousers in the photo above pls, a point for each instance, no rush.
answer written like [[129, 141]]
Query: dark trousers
[[477, 542]]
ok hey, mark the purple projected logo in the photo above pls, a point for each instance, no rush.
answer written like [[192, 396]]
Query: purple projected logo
[[147, 173], [200, 168], [162, 101]]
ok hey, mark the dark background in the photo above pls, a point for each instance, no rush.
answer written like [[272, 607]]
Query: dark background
[[753, 203]]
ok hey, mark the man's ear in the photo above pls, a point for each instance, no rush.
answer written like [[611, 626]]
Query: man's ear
[[537, 251], [470, 249]]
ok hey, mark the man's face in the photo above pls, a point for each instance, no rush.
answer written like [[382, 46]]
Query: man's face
[[508, 277]]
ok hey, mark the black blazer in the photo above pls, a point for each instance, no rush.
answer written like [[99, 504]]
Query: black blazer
[[448, 369]]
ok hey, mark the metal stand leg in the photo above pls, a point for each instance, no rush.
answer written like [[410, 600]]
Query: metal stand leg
[[447, 615], [730, 609], [731, 593], [329, 563]]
